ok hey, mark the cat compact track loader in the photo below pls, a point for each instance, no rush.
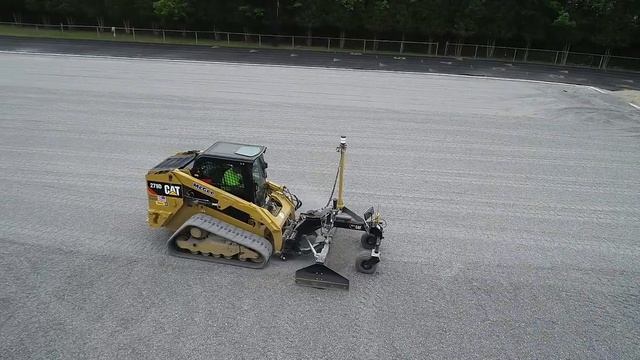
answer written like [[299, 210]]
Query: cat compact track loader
[[223, 209]]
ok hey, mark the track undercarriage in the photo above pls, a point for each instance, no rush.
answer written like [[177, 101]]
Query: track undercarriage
[[209, 239]]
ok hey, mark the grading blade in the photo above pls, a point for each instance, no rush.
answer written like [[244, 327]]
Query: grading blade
[[321, 277]]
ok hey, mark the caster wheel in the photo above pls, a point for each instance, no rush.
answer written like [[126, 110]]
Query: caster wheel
[[368, 241], [365, 264]]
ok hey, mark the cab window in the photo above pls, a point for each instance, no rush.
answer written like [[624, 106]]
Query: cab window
[[226, 175]]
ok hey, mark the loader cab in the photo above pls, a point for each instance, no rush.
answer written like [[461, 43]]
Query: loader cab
[[238, 169]]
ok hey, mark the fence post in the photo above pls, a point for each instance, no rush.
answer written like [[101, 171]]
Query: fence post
[[556, 60], [228, 41], [133, 31], [97, 31], [364, 46], [196, 38], [328, 43], [163, 37], [446, 48], [61, 27], [515, 52], [293, 42], [437, 45], [601, 61], [475, 55], [259, 40]]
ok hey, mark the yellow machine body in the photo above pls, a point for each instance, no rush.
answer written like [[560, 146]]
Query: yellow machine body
[[168, 206]]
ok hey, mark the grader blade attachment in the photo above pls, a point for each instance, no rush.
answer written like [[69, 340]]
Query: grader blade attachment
[[321, 277]]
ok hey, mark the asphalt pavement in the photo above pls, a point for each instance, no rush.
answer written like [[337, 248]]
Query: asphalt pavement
[[513, 211], [610, 80]]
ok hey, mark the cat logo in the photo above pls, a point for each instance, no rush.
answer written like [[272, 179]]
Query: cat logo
[[164, 189], [172, 190]]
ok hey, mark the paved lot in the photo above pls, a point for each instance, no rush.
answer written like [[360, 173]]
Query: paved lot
[[610, 80], [513, 213]]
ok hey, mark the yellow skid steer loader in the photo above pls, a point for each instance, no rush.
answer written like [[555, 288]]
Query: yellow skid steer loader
[[224, 210]]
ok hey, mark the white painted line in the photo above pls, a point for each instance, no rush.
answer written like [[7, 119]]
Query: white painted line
[[204, 62], [598, 90], [635, 106]]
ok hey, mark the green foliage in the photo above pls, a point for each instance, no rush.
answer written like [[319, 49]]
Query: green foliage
[[41, 6], [564, 21], [249, 14], [402, 15], [614, 22], [308, 13], [434, 18], [606, 23], [343, 14], [175, 10], [377, 16]]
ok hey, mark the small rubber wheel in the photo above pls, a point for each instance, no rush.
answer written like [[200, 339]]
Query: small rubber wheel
[[364, 263], [368, 241]]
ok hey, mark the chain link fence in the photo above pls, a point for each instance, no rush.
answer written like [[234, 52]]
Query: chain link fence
[[334, 44], [541, 56]]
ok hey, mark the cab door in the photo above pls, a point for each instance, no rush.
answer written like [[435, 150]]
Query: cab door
[[259, 179]]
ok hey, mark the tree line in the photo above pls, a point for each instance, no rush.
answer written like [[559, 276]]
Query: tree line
[[598, 25]]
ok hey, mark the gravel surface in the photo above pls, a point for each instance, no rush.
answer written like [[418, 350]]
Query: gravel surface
[[513, 211]]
